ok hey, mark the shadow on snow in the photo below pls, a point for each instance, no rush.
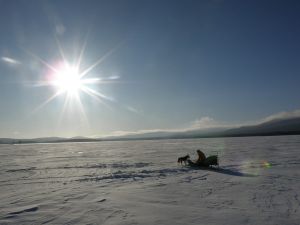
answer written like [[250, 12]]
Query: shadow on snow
[[232, 172]]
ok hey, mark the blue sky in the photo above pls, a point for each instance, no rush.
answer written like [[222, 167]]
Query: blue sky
[[168, 64]]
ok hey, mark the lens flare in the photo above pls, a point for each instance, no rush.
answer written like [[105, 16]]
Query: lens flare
[[266, 164]]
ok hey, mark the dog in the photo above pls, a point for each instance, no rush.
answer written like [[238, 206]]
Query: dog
[[183, 159]]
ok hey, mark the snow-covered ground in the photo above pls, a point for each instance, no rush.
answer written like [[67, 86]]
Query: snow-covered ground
[[139, 182]]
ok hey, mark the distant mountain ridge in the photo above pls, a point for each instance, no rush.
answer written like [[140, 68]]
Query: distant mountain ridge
[[273, 127], [290, 126]]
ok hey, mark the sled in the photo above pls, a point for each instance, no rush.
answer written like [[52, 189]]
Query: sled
[[209, 162]]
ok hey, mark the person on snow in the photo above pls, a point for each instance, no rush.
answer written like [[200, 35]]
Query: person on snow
[[201, 157]]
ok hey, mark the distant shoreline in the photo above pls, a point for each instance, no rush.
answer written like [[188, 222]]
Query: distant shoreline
[[276, 127], [88, 140]]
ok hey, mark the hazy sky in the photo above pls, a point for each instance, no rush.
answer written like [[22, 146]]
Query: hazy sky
[[167, 64]]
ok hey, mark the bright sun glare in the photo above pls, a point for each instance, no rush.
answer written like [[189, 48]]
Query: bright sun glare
[[71, 80], [68, 80]]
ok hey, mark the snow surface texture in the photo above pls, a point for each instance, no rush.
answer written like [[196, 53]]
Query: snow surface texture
[[140, 182]]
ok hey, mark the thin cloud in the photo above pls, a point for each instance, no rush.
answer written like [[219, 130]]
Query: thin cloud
[[206, 122], [114, 77], [132, 109], [139, 132], [282, 115], [203, 123], [10, 61]]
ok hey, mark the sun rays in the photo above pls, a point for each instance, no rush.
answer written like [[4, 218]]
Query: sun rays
[[71, 81]]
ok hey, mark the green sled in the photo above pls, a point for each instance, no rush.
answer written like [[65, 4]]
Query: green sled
[[209, 161]]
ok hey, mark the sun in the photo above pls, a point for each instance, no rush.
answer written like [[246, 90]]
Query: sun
[[68, 80], [72, 81]]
